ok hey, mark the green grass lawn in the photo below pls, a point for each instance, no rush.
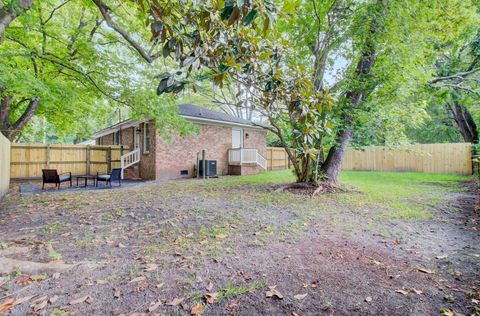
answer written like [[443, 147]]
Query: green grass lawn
[[403, 195]]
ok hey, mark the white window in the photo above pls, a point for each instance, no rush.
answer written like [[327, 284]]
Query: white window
[[146, 138]]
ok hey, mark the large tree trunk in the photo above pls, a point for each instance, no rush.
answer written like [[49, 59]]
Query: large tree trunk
[[331, 166], [354, 98], [10, 12], [464, 121], [11, 131]]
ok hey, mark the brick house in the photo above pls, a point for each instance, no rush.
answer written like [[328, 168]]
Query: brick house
[[238, 146]]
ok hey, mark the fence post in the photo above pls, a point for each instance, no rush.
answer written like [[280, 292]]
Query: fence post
[[109, 159], [87, 160]]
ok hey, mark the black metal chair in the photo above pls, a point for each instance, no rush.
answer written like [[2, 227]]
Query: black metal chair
[[52, 176], [115, 175]]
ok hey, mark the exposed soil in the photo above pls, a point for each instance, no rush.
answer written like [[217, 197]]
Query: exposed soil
[[184, 239]]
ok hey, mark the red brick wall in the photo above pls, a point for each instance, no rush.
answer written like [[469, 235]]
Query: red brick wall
[[105, 140], [165, 160], [147, 159], [126, 138], [181, 154], [255, 138]]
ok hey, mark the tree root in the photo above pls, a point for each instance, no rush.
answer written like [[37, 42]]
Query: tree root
[[8, 266], [13, 251], [312, 190], [306, 186], [327, 187]]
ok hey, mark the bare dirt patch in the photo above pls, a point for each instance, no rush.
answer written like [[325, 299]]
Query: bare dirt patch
[[168, 247]]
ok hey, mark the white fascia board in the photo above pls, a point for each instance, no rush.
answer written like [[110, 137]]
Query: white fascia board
[[115, 128], [205, 121]]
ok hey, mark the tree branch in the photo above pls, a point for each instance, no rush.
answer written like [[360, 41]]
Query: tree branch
[[54, 10], [11, 12], [104, 11], [459, 75]]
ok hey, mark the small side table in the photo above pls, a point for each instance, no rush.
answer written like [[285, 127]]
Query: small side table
[[85, 178]]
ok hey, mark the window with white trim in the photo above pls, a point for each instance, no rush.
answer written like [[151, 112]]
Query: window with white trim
[[116, 138], [146, 138]]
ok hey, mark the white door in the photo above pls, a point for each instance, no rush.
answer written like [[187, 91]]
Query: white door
[[237, 139], [136, 138]]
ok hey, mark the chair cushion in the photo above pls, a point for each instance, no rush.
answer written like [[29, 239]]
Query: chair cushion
[[103, 176], [64, 178]]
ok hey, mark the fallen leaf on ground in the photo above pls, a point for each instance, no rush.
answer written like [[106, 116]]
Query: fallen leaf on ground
[[402, 292], [209, 287], [53, 299], [417, 291], [23, 280], [159, 285], [231, 306], [211, 297], [425, 271], [368, 299], [38, 277], [221, 236], [300, 296], [82, 299], [175, 302], [101, 282], [197, 309], [56, 275], [56, 262], [273, 292], [65, 234], [39, 303], [6, 305], [150, 267], [120, 245], [21, 300], [138, 279], [154, 306], [448, 312]]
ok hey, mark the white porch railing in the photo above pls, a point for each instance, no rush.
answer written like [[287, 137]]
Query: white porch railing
[[239, 156], [129, 159]]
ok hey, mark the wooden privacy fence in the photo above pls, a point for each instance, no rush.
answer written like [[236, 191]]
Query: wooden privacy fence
[[28, 160], [277, 158], [450, 158]]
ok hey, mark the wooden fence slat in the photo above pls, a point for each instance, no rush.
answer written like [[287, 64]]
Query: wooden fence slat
[[450, 158], [28, 160]]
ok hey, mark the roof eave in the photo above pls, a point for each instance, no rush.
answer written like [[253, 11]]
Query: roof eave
[[193, 119], [196, 119]]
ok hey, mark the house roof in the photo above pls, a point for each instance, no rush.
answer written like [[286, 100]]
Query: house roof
[[191, 113], [191, 110]]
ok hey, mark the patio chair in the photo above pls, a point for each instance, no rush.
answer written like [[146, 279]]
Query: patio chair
[[52, 176], [115, 175]]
